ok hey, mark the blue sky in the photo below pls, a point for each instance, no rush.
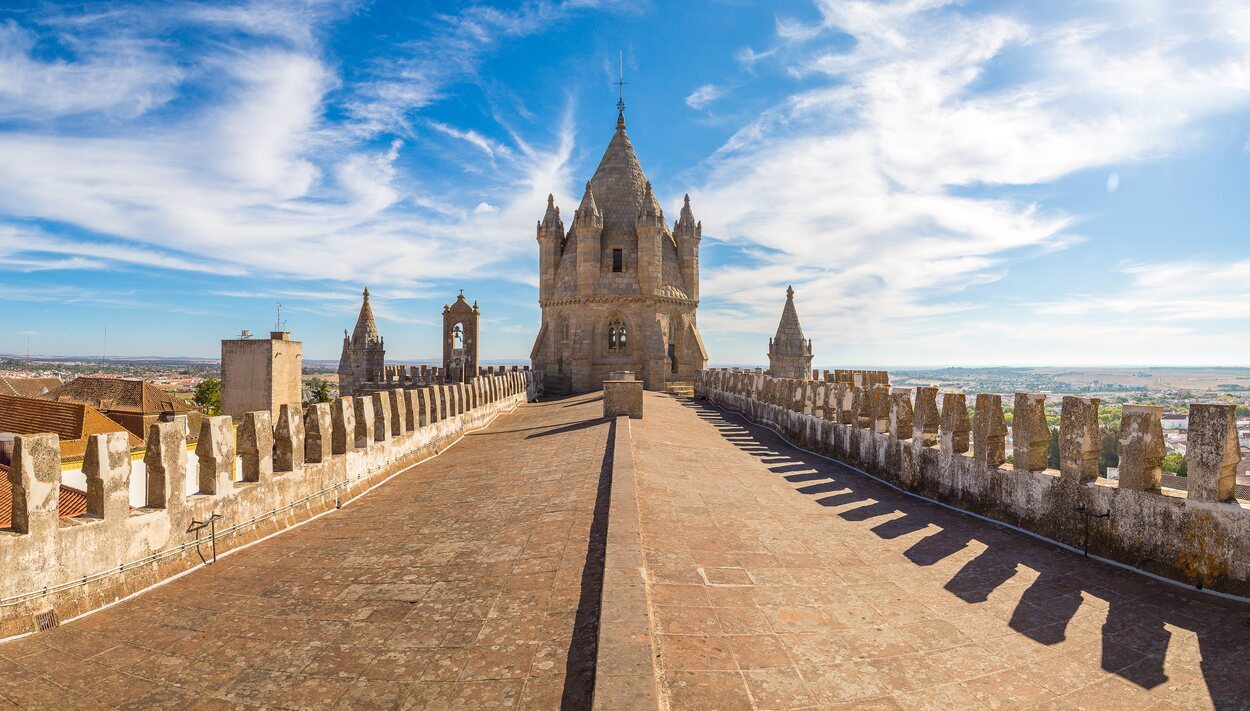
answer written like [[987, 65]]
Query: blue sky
[[968, 183]]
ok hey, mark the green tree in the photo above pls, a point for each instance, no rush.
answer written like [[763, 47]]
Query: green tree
[[1052, 449], [318, 390], [1175, 463], [208, 396], [1110, 447]]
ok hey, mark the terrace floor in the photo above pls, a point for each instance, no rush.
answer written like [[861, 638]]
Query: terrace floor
[[775, 580], [779, 579], [469, 581]]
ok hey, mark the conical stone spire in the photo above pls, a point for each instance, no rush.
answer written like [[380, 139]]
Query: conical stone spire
[[619, 185], [685, 220], [789, 352], [552, 216], [588, 210], [366, 331]]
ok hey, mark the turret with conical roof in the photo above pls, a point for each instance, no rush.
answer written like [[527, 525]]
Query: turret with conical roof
[[688, 232], [618, 291], [550, 245], [364, 353], [789, 352]]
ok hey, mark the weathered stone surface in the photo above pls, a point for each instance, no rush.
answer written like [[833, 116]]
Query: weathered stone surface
[[1080, 441], [879, 408], [343, 425], [398, 421], [618, 289], [215, 451], [901, 413], [622, 397], [1142, 447], [364, 353], [1030, 436], [332, 598], [288, 440], [260, 374], [460, 339], [789, 351], [255, 441], [411, 409], [989, 431], [1163, 534], [861, 407], [106, 465], [927, 420], [1020, 624], [35, 476], [425, 406], [381, 403], [1213, 452], [318, 433], [165, 461], [955, 425], [364, 421]]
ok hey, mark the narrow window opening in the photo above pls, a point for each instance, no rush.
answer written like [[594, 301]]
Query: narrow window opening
[[616, 335], [618, 260]]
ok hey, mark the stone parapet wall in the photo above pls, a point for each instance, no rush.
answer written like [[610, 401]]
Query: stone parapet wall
[[1200, 537], [399, 377], [260, 477]]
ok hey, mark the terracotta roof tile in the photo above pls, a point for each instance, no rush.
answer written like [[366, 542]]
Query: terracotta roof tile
[[72, 502], [71, 422], [28, 387], [120, 394]]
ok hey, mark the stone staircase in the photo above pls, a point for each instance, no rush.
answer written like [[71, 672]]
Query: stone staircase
[[681, 388]]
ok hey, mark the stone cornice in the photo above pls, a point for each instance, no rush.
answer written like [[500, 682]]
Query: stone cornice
[[617, 299]]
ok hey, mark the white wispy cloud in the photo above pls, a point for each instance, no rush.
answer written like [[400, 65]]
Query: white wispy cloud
[[1177, 292], [874, 192], [703, 96], [254, 177], [116, 75]]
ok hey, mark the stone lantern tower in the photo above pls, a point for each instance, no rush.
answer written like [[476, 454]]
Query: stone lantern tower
[[789, 352]]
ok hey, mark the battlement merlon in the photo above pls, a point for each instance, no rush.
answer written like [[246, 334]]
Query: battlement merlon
[[1195, 536], [258, 478]]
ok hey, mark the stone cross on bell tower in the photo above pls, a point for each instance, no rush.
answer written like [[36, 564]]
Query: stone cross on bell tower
[[460, 340]]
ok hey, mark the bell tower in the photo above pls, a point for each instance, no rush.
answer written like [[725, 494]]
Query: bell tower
[[460, 340]]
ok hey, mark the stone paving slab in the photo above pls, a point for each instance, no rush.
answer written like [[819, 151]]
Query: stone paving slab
[[625, 666], [471, 581], [780, 580]]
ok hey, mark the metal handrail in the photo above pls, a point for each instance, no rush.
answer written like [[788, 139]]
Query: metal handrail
[[197, 526]]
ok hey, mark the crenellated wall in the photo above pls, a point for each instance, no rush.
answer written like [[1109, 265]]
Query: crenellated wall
[[288, 470], [1201, 537], [405, 376]]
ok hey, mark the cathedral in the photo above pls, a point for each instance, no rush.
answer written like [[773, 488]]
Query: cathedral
[[619, 288]]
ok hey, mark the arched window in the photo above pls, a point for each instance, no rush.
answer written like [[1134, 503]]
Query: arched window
[[617, 335], [563, 328]]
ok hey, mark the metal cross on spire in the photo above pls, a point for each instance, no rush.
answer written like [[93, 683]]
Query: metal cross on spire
[[620, 84]]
